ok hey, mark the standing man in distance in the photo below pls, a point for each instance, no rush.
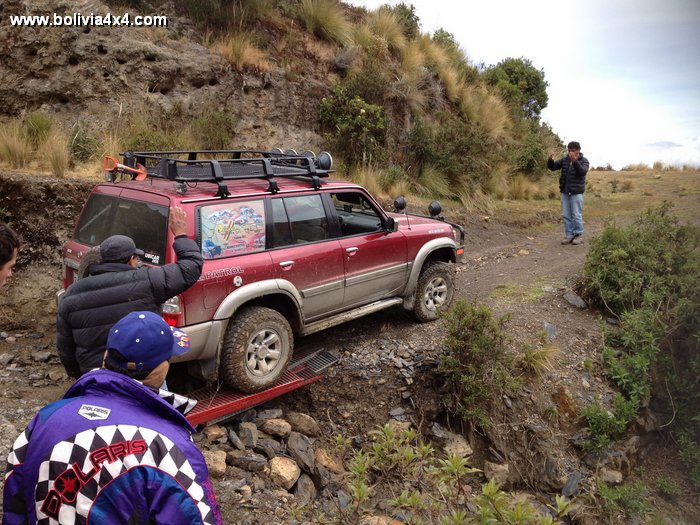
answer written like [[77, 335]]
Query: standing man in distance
[[116, 285], [9, 247], [572, 185]]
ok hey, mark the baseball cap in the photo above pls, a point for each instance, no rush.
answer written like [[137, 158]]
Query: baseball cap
[[118, 248], [144, 340]]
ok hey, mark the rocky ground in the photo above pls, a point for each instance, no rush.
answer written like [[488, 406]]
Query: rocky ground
[[278, 457]]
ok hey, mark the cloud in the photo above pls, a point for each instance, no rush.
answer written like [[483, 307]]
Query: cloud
[[664, 144]]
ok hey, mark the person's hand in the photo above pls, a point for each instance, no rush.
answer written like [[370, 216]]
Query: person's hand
[[178, 221], [573, 155]]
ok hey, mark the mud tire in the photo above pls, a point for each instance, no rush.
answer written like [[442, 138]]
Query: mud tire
[[256, 351], [434, 291]]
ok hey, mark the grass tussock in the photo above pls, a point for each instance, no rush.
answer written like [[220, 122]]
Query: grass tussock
[[406, 90], [15, 147], [522, 188], [37, 128], [326, 19], [55, 152], [431, 183], [367, 176], [386, 25], [538, 360], [412, 59], [239, 50], [493, 115], [498, 184]]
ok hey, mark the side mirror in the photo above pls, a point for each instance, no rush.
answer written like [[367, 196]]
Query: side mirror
[[392, 226]]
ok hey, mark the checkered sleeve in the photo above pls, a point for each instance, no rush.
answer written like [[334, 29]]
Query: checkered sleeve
[[14, 504]]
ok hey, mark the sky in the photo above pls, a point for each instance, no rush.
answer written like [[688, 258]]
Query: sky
[[623, 75]]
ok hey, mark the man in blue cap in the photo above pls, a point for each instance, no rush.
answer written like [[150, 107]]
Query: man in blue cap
[[115, 449], [115, 286]]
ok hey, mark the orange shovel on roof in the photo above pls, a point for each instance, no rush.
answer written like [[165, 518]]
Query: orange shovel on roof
[[113, 165]]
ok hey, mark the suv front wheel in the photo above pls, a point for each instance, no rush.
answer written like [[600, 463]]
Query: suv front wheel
[[257, 348], [434, 291]]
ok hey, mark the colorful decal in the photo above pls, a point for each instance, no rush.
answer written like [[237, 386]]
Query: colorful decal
[[233, 228]]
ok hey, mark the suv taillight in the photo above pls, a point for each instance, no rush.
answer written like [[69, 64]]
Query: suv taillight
[[172, 312]]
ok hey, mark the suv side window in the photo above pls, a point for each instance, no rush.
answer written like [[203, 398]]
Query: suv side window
[[356, 214], [298, 220], [232, 228]]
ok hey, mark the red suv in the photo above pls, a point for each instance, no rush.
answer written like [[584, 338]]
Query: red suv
[[287, 252]]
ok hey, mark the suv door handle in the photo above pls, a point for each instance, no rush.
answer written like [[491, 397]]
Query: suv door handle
[[351, 251], [287, 264]]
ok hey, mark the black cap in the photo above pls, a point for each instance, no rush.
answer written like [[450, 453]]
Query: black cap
[[118, 248]]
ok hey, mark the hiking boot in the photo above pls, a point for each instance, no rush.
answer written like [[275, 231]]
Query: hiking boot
[[567, 240], [577, 240]]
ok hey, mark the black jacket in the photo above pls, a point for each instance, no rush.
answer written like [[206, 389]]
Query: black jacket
[[572, 180], [92, 305]]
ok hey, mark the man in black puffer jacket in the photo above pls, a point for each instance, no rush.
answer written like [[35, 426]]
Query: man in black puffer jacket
[[572, 185], [117, 286]]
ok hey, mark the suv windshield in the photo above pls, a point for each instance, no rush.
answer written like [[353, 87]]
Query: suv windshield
[[145, 223]]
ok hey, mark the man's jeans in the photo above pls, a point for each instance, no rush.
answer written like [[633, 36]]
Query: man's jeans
[[572, 208]]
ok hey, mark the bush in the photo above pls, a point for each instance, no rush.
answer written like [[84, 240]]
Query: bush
[[356, 128], [15, 148], [325, 19], [647, 275], [214, 129], [477, 366], [83, 145], [631, 266], [37, 127]]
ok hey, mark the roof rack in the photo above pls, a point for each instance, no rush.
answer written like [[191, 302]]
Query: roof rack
[[217, 166]]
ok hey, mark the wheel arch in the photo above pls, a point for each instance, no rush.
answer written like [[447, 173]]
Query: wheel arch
[[440, 250]]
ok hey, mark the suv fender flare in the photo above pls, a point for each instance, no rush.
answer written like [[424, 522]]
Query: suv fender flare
[[421, 257], [252, 291]]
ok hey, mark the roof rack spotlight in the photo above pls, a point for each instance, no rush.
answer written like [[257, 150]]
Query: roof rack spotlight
[[112, 166], [325, 161]]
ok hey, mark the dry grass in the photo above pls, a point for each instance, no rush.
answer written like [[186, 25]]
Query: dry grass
[[498, 184], [493, 115], [522, 188], [55, 152], [385, 24], [326, 19], [539, 360], [238, 48], [15, 148], [368, 177], [406, 90], [432, 183], [412, 59]]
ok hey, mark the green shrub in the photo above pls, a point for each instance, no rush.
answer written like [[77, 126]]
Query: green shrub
[[647, 274], [627, 499], [628, 266], [83, 145], [354, 127], [477, 366], [214, 129], [604, 424], [37, 127]]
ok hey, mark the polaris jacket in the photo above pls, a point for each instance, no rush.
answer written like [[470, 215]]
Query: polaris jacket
[[112, 451]]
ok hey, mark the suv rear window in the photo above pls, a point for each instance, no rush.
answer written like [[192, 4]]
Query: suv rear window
[[145, 223]]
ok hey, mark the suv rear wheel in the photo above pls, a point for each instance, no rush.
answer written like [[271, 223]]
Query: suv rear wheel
[[257, 347], [434, 291]]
